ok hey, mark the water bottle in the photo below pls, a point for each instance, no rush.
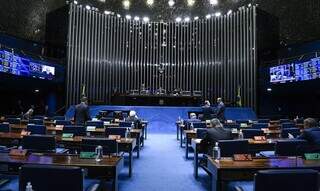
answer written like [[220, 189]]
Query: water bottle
[[216, 152], [29, 187], [240, 134], [99, 153], [132, 125]]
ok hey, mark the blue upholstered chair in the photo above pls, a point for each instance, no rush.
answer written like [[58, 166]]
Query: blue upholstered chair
[[97, 124], [59, 118], [201, 133], [14, 120], [293, 131], [239, 121], [260, 125], [198, 125], [4, 127], [231, 125], [76, 130], [39, 143], [110, 146], [292, 147], [300, 120], [63, 122], [231, 147], [36, 129], [279, 180], [251, 133], [116, 131], [38, 117], [284, 121], [36, 121], [288, 125], [263, 120], [125, 124], [52, 178], [106, 119]]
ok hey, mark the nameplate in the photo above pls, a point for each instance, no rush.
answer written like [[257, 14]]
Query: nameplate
[[259, 138], [243, 125], [116, 137], [88, 155], [242, 157], [18, 152], [91, 128], [59, 126], [25, 133], [67, 135], [312, 156]]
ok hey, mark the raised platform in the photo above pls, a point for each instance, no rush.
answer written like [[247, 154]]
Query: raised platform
[[162, 119]]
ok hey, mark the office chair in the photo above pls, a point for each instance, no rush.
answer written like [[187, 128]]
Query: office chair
[[110, 146], [36, 129], [230, 147], [76, 130], [4, 127], [63, 122], [39, 143], [251, 133], [260, 125], [293, 131], [97, 124], [292, 147], [116, 131], [36, 121]]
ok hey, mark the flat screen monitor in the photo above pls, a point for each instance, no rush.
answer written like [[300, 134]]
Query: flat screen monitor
[[15, 64], [282, 73]]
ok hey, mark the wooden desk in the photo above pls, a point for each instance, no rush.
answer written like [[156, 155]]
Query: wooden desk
[[108, 168], [227, 170]]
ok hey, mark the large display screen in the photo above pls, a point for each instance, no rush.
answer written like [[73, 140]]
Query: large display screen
[[299, 71], [23, 66]]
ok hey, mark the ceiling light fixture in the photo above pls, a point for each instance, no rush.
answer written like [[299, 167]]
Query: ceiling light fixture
[[187, 19], [196, 18], [128, 17], [178, 19], [217, 14], [146, 19], [190, 3], [171, 3], [213, 2], [136, 18], [150, 2], [126, 4]]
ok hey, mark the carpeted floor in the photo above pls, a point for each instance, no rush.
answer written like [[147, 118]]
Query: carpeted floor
[[162, 167]]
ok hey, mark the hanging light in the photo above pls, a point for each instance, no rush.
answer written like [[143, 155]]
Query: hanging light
[[171, 3], [150, 2], [126, 4], [213, 2], [190, 3]]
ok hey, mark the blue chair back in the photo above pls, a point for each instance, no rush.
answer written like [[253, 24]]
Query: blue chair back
[[299, 121], [59, 118], [263, 120], [116, 131], [198, 125], [251, 133], [239, 121], [106, 119], [293, 131], [294, 147], [288, 125], [37, 129], [60, 177], [36, 121], [260, 125], [63, 122], [281, 180], [231, 125], [97, 124], [125, 124], [38, 117], [284, 121], [110, 146], [201, 133], [4, 127], [39, 143], [76, 130], [14, 120], [230, 147]]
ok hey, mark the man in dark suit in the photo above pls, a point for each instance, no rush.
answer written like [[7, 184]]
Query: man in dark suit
[[215, 133], [81, 114], [311, 132], [207, 111], [220, 110]]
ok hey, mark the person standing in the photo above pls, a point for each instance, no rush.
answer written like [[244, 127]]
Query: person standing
[[82, 114], [220, 110]]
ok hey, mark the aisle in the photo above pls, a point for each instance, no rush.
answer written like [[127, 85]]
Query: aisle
[[162, 167]]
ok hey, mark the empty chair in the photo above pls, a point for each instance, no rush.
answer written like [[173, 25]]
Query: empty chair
[[288, 125], [279, 180], [59, 118], [36, 129], [294, 147], [251, 133], [293, 131], [201, 133], [39, 143], [284, 121], [239, 121], [260, 125], [14, 120], [52, 178], [231, 125], [106, 119], [76, 130], [125, 124], [63, 122], [97, 124], [231, 147], [110, 146], [116, 131], [36, 121], [263, 120], [4, 127]]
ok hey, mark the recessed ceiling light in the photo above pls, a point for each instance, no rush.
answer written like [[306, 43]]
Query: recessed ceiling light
[[229, 12], [136, 18], [196, 18], [145, 19], [88, 7], [126, 4], [107, 12], [128, 17], [191, 2], [171, 3], [178, 19], [217, 14], [187, 19], [150, 2], [208, 16], [213, 2]]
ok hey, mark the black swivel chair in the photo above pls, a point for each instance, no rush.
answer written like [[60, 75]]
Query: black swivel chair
[[4, 127], [294, 147], [76, 130], [251, 133], [39, 143], [230, 147], [110, 146], [116, 131], [36, 129]]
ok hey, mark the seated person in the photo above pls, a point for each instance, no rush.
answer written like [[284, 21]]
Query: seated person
[[207, 111], [214, 133], [161, 91], [309, 133], [192, 119], [132, 117], [29, 113], [220, 109]]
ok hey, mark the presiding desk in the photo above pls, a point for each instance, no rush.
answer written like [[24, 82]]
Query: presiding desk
[[226, 169], [107, 169]]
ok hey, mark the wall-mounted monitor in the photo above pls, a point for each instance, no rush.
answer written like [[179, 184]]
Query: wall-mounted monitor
[[15, 64], [298, 71]]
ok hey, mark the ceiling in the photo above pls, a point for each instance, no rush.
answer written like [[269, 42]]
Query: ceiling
[[299, 19]]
